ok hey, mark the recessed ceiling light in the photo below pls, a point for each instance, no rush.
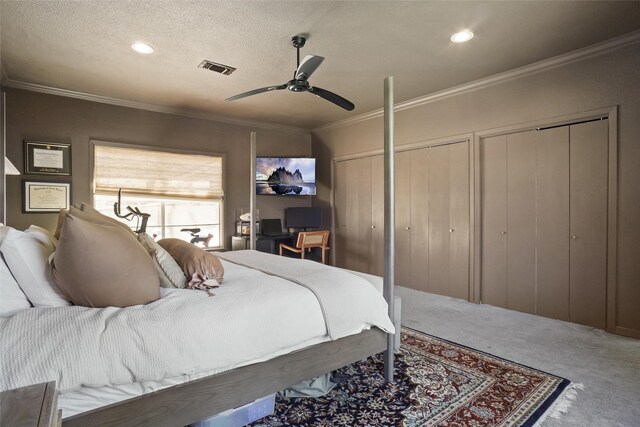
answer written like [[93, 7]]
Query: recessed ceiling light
[[141, 47], [462, 36]]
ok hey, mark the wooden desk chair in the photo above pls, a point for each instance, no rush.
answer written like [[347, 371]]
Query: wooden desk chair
[[308, 240]]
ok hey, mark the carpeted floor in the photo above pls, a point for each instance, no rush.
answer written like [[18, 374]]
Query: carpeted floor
[[436, 383], [607, 365]]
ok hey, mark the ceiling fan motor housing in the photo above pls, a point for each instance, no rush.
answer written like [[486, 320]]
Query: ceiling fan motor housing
[[298, 85]]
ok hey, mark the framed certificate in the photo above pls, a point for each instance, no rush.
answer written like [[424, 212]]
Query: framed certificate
[[46, 196], [47, 158]]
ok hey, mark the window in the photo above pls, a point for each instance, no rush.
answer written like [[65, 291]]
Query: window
[[177, 190]]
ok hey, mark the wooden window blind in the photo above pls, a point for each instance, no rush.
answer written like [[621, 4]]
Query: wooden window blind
[[157, 173]]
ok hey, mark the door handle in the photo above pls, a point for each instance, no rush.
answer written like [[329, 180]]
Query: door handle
[[574, 237], [373, 226], [503, 232], [451, 230], [407, 228]]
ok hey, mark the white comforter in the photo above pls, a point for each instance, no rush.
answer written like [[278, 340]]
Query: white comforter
[[252, 315]]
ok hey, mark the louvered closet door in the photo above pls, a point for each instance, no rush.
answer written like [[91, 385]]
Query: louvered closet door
[[377, 216], [588, 258], [340, 211], [419, 232], [493, 190], [358, 214], [403, 218]]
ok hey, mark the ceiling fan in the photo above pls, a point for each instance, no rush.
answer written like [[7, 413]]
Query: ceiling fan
[[300, 82]]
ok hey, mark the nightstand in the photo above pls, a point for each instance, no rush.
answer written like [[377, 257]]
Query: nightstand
[[35, 405]]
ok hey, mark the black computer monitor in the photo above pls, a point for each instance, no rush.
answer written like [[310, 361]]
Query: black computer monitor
[[303, 217]]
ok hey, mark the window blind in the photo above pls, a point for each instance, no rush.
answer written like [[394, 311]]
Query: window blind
[[157, 173]]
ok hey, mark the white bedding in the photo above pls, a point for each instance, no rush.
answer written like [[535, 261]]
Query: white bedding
[[125, 352]]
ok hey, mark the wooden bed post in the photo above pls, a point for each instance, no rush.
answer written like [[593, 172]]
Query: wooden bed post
[[252, 193], [389, 219]]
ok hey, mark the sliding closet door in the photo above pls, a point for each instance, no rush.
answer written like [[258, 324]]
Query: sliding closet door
[[459, 220], [493, 182], [403, 217], [589, 159], [521, 221], [552, 242], [340, 211], [377, 216], [419, 219]]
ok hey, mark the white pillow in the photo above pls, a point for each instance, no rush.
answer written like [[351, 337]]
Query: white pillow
[[12, 299], [27, 254], [169, 272]]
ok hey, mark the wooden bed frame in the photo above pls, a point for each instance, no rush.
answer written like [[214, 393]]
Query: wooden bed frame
[[202, 398]]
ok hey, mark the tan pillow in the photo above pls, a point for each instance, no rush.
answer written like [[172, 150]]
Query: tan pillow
[[90, 214], [169, 272], [61, 215], [102, 265], [197, 264]]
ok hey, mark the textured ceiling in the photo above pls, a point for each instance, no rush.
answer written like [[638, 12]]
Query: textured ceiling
[[84, 46]]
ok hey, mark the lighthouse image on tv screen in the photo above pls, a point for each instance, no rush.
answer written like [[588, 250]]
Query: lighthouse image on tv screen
[[294, 176]]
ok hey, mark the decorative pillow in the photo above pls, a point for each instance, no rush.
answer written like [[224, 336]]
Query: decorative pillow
[[92, 215], [169, 272], [46, 235], [203, 269], [4, 230], [26, 254], [61, 216], [12, 299], [122, 277]]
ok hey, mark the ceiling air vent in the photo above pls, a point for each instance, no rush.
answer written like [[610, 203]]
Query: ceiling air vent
[[218, 68]]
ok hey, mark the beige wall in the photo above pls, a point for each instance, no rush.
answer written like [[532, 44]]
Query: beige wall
[[611, 79], [43, 117]]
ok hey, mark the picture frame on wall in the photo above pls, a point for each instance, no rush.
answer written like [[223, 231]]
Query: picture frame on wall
[[47, 158], [41, 197]]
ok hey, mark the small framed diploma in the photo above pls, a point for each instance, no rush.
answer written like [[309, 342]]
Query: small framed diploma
[[47, 158], [46, 196]]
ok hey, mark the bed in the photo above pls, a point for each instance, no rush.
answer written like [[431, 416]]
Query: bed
[[264, 330]]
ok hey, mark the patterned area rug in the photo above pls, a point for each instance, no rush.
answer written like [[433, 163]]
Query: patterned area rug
[[437, 383]]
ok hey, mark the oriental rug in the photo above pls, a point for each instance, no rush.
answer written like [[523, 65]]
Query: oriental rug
[[437, 383]]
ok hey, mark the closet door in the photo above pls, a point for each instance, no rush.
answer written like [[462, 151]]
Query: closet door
[[552, 242], [459, 220], [403, 218], [439, 220], [340, 211], [588, 260], [377, 216], [358, 214], [449, 220], [521, 221], [419, 219], [493, 187]]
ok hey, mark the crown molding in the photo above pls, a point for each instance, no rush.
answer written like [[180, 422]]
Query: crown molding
[[527, 70], [33, 87]]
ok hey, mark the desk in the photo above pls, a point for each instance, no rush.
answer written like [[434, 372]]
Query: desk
[[264, 242]]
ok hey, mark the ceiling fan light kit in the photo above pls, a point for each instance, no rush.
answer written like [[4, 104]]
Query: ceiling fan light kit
[[300, 83]]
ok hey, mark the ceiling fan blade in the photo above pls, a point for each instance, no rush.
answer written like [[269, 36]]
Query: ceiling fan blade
[[308, 66], [257, 91], [332, 97]]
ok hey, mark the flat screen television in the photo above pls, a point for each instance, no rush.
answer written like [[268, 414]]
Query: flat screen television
[[286, 176]]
